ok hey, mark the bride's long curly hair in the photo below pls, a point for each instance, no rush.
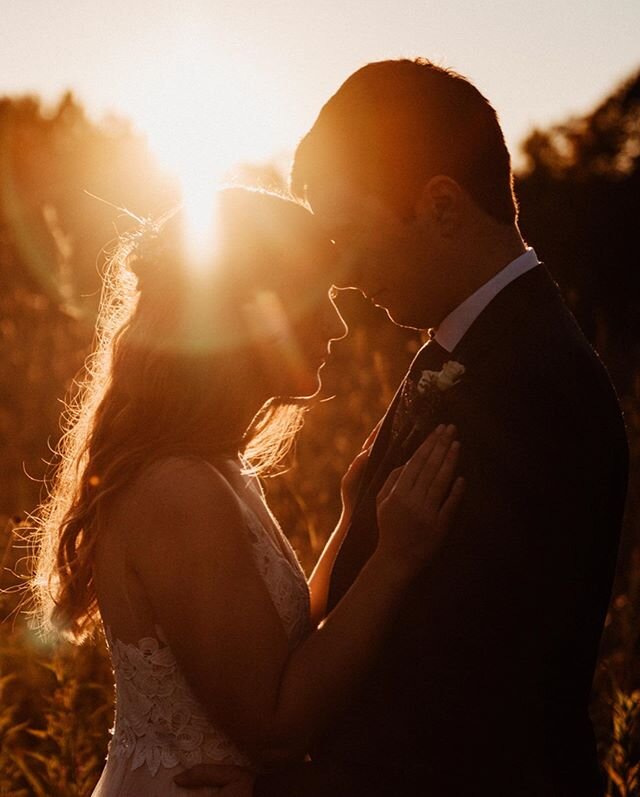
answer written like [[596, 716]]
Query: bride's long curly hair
[[174, 362]]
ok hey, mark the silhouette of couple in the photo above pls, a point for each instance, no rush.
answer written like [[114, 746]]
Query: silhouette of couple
[[446, 641]]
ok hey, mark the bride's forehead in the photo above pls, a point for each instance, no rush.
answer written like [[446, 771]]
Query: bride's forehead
[[305, 277]]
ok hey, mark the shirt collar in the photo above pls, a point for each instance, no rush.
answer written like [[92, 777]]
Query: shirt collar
[[457, 323]]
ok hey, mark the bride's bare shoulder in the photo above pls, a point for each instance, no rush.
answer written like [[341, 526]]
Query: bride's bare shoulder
[[180, 527], [178, 489], [179, 470]]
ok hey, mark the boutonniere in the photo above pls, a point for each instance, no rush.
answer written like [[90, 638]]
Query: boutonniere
[[431, 389], [422, 401], [444, 379]]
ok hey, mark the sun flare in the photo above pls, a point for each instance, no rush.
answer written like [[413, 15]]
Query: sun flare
[[199, 209], [204, 111]]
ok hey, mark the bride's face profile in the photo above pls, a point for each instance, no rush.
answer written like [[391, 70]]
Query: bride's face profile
[[297, 323], [281, 263], [254, 318]]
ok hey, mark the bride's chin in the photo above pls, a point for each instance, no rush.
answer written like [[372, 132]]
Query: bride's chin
[[309, 386]]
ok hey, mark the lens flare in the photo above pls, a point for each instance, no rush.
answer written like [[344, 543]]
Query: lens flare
[[200, 217]]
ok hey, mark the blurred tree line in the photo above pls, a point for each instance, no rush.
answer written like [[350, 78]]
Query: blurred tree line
[[579, 206]]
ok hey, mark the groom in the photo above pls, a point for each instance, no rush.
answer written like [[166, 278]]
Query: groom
[[483, 685]]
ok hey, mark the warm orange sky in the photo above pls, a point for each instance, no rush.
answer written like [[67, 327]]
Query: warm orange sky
[[222, 81]]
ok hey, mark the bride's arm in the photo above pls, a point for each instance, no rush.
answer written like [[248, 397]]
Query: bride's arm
[[189, 546], [321, 576]]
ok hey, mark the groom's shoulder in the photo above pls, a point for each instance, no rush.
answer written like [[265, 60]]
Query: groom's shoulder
[[541, 360], [576, 362], [561, 359], [549, 339], [564, 376]]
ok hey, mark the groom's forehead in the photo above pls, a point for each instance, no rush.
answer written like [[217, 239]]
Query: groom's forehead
[[341, 207]]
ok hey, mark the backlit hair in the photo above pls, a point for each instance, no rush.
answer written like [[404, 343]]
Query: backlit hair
[[171, 370]]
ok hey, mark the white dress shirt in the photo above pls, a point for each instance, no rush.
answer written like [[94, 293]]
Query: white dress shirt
[[455, 325]]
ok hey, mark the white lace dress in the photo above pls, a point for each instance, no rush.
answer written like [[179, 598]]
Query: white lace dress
[[160, 728]]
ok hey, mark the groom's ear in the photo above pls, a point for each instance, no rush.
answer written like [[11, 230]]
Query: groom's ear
[[440, 204]]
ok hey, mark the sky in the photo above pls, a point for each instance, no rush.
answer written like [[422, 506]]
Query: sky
[[221, 82]]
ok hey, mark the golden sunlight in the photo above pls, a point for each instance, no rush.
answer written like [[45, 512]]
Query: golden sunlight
[[209, 111], [199, 208]]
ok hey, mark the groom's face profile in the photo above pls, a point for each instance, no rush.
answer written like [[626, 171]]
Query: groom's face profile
[[407, 169], [400, 264]]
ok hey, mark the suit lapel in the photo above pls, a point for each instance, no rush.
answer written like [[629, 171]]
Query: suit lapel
[[429, 356], [379, 444], [361, 537]]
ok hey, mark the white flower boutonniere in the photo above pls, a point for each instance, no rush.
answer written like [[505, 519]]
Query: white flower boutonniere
[[428, 400], [425, 399], [442, 380]]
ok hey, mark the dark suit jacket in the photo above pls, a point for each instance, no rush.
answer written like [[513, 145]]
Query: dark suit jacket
[[482, 686]]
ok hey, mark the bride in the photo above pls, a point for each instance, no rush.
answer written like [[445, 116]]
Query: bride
[[157, 532]]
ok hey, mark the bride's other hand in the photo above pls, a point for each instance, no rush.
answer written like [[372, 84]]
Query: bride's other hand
[[418, 502], [353, 475]]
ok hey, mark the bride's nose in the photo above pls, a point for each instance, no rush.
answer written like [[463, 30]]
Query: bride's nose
[[334, 325]]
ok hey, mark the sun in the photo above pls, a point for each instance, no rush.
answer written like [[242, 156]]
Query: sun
[[204, 111]]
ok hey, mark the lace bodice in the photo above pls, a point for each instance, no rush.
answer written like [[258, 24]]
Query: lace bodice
[[159, 722]]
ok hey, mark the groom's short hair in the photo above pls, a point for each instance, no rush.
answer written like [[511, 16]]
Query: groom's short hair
[[393, 125]]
